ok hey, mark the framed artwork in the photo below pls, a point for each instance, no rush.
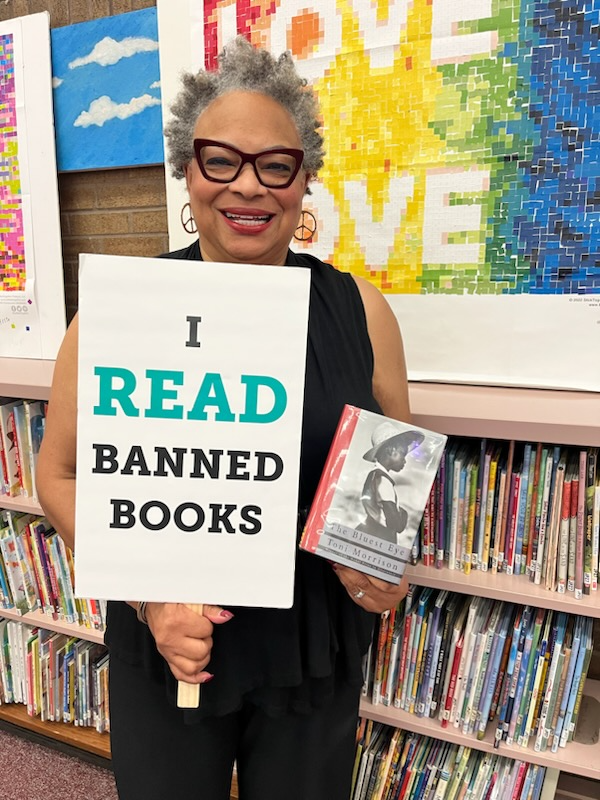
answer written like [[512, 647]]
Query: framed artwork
[[106, 85], [462, 169], [32, 306]]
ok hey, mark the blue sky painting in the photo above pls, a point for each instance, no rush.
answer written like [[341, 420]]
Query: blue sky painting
[[106, 80]]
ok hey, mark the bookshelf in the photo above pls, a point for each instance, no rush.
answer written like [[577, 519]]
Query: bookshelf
[[560, 417], [534, 415], [32, 378]]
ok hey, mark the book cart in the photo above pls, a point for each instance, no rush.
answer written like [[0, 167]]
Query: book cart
[[559, 417]]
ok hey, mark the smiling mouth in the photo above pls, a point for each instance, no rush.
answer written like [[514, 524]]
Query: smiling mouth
[[249, 220]]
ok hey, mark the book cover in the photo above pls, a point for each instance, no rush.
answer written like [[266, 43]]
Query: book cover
[[9, 443], [573, 526], [524, 498], [563, 540], [545, 511], [372, 493], [480, 503], [549, 567], [534, 485], [35, 420], [472, 505], [23, 449], [590, 490], [581, 514], [596, 535]]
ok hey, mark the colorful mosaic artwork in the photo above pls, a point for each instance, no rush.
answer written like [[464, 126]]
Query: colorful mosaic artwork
[[463, 138], [12, 247]]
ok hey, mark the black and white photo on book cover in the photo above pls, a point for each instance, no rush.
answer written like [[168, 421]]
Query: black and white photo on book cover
[[372, 494]]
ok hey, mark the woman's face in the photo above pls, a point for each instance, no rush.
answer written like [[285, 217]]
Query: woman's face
[[251, 123]]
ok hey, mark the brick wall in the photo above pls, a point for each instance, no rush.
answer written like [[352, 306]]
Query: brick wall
[[119, 211]]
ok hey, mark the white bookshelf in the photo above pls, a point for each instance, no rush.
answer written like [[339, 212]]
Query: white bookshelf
[[509, 588], [31, 379], [558, 417], [531, 415], [40, 620], [26, 378], [581, 757]]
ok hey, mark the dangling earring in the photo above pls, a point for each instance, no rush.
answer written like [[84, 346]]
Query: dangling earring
[[187, 219], [307, 227]]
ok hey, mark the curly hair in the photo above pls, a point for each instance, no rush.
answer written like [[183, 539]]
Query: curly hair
[[243, 67]]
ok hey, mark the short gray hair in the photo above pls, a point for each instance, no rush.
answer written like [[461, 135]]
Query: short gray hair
[[243, 67]]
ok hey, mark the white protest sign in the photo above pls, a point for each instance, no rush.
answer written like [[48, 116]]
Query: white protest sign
[[191, 385]]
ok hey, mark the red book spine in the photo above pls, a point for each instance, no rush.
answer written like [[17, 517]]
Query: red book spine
[[329, 478], [453, 679]]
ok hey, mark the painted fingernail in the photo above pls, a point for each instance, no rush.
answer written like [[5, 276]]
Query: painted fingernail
[[225, 614], [208, 678]]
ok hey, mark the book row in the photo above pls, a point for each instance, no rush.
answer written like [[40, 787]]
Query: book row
[[519, 508], [391, 764], [58, 677], [21, 430], [478, 664], [36, 572]]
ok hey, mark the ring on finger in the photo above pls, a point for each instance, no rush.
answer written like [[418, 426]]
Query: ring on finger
[[359, 593]]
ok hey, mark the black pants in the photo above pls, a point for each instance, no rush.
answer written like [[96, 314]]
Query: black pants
[[157, 757]]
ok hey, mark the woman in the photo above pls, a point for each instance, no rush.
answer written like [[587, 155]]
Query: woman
[[284, 700]]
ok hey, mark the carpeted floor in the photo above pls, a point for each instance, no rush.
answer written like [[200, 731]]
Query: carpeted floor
[[32, 771]]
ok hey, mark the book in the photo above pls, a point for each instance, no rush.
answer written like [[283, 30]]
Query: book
[[372, 493], [581, 514], [480, 503], [8, 435], [524, 498], [549, 567], [563, 543], [35, 420], [491, 505], [506, 502], [590, 490], [511, 522], [596, 535], [541, 542], [22, 436], [573, 526], [534, 485]]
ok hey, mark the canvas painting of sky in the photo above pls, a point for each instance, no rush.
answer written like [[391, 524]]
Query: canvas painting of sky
[[106, 83]]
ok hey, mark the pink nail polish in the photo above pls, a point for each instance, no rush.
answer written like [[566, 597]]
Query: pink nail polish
[[226, 614]]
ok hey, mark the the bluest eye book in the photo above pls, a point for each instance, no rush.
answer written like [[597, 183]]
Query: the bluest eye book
[[372, 493]]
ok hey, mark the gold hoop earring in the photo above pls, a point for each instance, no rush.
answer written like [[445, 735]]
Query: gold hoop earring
[[307, 227], [187, 219]]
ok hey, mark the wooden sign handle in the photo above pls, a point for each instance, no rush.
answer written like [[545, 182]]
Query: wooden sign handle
[[188, 694]]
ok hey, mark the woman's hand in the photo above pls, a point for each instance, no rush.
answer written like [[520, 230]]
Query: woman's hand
[[184, 638], [370, 593]]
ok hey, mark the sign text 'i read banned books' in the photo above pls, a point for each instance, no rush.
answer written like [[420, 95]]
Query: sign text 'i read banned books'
[[191, 384]]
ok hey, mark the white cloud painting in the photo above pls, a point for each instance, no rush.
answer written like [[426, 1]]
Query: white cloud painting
[[106, 83]]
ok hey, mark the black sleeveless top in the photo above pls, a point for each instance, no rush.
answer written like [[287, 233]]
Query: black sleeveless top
[[288, 659]]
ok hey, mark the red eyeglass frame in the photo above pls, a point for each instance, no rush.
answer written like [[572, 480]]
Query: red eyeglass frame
[[249, 158]]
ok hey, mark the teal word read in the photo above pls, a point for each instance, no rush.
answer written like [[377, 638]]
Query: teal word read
[[118, 390]]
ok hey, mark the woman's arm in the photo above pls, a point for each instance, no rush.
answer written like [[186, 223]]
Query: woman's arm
[[55, 474], [390, 389], [390, 384]]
